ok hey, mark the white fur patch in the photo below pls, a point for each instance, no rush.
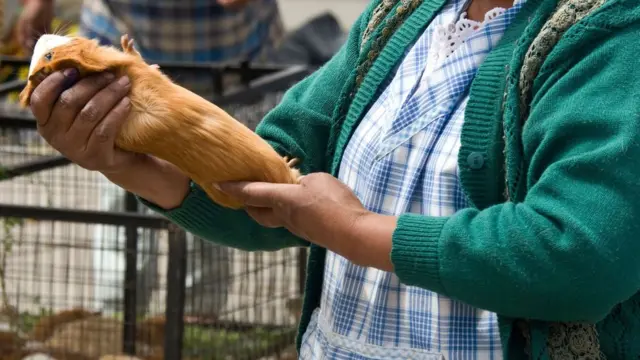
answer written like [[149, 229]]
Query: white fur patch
[[45, 44]]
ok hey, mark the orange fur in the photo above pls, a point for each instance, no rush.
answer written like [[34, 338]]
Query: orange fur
[[10, 345], [55, 354], [46, 326], [172, 123], [151, 331]]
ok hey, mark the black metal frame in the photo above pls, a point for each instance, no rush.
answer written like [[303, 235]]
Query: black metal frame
[[126, 219], [34, 166], [18, 121], [130, 277], [257, 80], [176, 275]]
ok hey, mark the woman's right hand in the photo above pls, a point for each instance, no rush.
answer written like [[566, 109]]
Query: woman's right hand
[[81, 119]]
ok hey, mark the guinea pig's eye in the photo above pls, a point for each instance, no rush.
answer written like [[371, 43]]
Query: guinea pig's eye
[[48, 56]]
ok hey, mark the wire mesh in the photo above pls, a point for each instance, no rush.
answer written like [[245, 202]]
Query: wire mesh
[[61, 288]]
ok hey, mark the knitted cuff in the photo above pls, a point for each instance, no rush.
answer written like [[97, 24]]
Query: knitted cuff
[[195, 211], [415, 254]]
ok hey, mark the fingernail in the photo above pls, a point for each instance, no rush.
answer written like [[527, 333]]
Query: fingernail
[[126, 101], [109, 76], [124, 81], [70, 77], [70, 73]]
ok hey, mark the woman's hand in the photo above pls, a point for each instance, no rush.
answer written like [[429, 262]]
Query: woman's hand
[[82, 121], [35, 20], [233, 4], [323, 211]]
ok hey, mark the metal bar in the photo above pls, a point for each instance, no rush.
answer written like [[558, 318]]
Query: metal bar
[[17, 122], [279, 81], [176, 277], [233, 325], [83, 216], [266, 80], [275, 81], [245, 75], [302, 269], [253, 70], [33, 167], [12, 86], [218, 84], [130, 278]]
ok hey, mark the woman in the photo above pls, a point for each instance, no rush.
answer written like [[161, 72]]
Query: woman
[[471, 189]]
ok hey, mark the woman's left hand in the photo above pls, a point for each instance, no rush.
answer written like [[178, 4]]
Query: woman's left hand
[[318, 207], [321, 210]]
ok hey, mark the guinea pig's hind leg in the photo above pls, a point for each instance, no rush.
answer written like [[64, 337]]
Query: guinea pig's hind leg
[[127, 46], [291, 163], [295, 173]]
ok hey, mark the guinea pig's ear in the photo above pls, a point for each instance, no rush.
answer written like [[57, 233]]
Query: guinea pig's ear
[[25, 95], [84, 64], [85, 60], [39, 75]]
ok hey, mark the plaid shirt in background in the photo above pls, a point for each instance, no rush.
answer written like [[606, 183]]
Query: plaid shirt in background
[[403, 157], [187, 31]]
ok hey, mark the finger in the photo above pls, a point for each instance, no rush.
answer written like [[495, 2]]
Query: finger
[[22, 34], [261, 194], [232, 4], [46, 94], [96, 109], [72, 100], [264, 216], [30, 35], [104, 136], [31, 42]]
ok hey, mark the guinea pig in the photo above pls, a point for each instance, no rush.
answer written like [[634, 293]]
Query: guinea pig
[[167, 120]]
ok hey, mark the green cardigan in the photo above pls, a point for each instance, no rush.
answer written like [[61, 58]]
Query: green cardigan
[[564, 247]]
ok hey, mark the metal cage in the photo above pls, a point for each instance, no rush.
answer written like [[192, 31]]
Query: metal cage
[[86, 272]]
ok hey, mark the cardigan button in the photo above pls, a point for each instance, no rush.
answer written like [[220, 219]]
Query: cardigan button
[[475, 160]]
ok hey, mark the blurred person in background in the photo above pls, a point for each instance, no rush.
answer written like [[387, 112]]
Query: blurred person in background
[[200, 30], [218, 31]]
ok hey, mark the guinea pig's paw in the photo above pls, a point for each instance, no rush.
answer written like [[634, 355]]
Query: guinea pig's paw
[[296, 176], [127, 45], [291, 163]]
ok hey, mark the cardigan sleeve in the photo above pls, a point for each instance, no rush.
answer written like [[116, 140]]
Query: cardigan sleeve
[[300, 127], [569, 250]]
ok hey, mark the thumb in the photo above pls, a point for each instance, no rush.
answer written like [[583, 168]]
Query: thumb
[[261, 194]]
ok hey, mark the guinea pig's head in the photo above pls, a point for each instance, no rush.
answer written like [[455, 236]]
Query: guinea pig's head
[[54, 52]]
